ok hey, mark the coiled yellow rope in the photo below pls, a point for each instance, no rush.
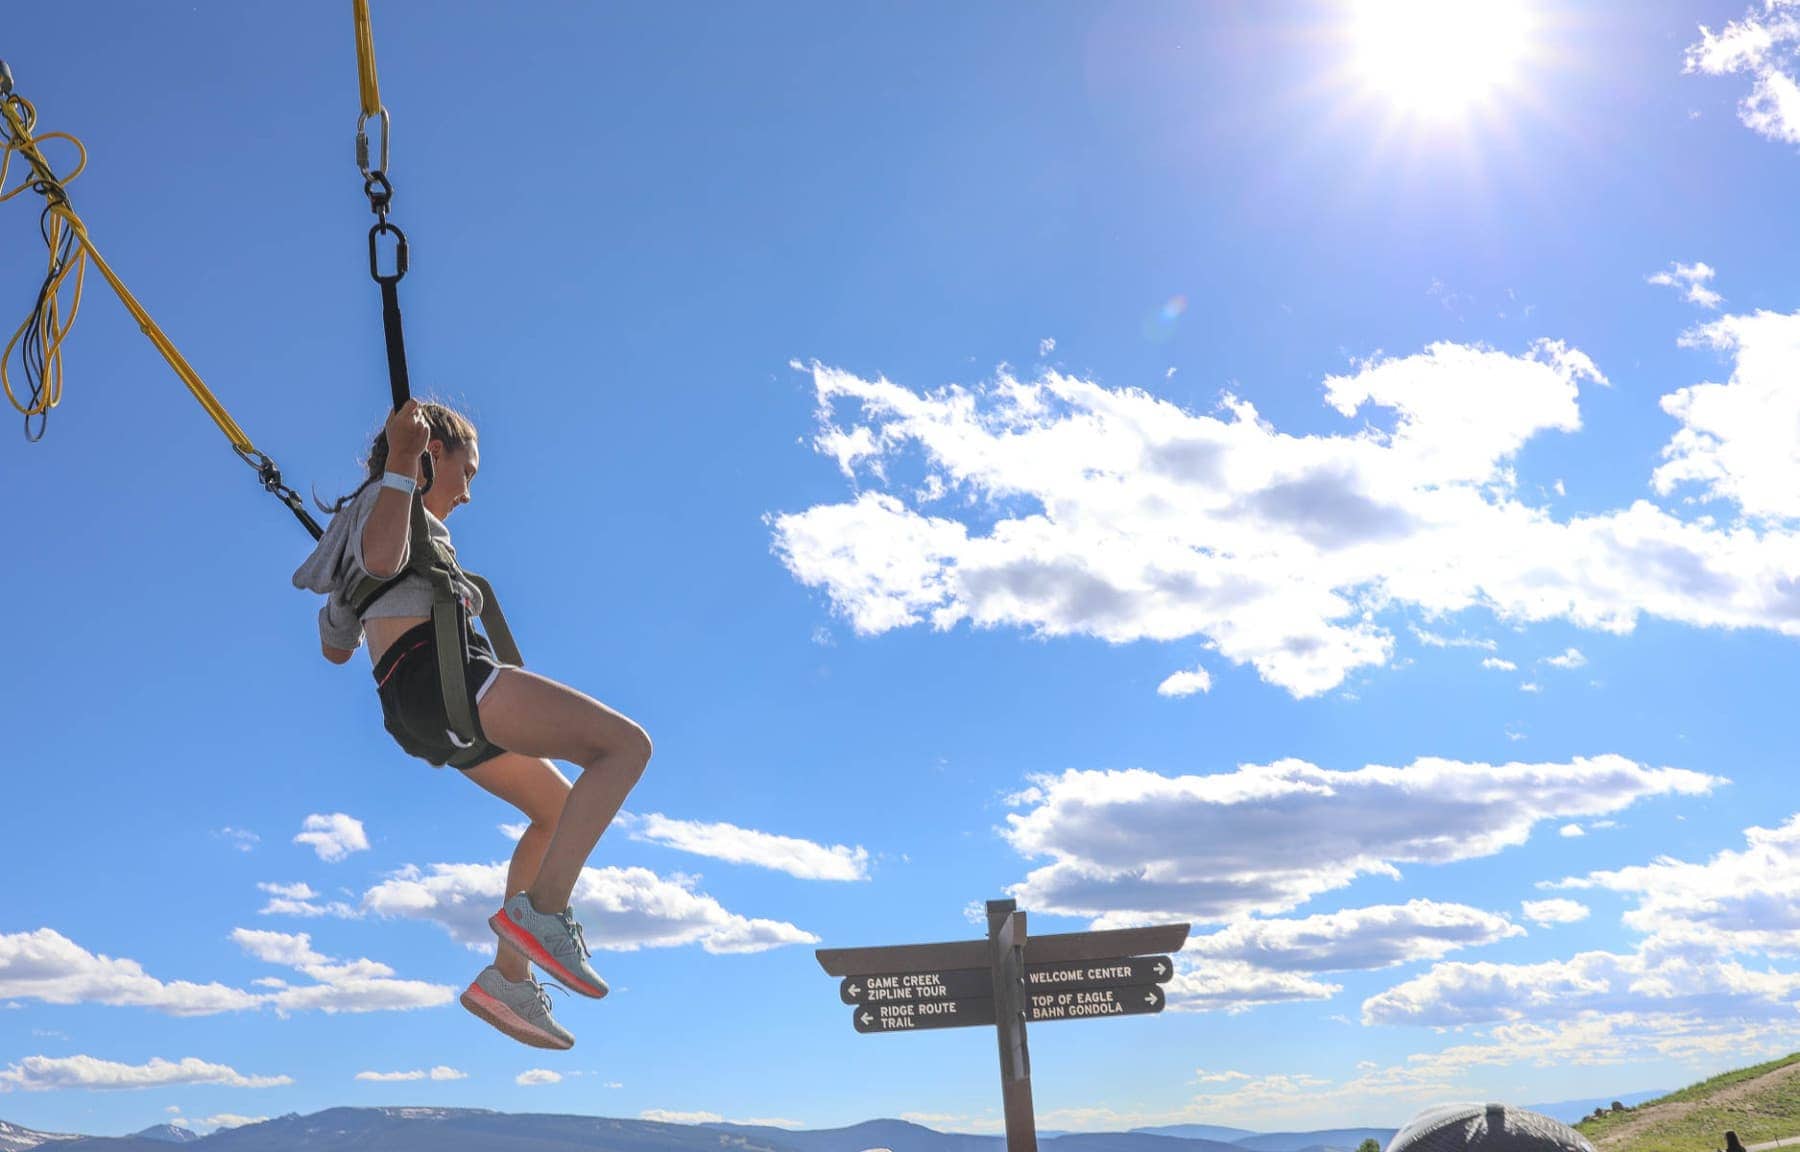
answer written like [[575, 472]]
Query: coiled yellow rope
[[47, 327]]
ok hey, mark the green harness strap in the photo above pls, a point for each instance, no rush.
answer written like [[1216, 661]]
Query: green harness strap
[[427, 558]]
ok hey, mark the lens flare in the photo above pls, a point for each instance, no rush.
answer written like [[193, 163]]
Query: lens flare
[[1161, 324], [1441, 59]]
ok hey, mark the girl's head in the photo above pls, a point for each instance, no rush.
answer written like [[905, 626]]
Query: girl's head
[[455, 457]]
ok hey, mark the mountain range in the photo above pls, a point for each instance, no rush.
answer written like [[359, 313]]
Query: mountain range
[[403, 1129]]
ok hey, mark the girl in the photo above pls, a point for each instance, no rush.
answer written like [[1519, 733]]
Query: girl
[[524, 719]]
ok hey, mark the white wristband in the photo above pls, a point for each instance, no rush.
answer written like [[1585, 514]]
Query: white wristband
[[399, 483]]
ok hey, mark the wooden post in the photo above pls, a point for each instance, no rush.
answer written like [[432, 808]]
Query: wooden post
[[1006, 934]]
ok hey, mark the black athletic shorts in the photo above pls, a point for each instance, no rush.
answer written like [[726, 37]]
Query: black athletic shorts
[[412, 695]]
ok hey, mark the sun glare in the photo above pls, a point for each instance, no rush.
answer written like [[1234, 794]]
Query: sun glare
[[1440, 60]]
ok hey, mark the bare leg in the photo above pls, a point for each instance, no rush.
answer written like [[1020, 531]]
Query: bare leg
[[537, 789], [535, 717]]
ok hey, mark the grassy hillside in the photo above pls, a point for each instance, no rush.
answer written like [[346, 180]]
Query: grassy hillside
[[1760, 1103]]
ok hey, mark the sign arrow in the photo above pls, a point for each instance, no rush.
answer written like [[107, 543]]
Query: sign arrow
[[1084, 1004], [1115, 973], [917, 987], [931, 1014]]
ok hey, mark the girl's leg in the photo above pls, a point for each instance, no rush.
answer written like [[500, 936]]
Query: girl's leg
[[537, 789], [532, 716]]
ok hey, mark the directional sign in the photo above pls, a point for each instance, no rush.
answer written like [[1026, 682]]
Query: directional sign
[[1058, 948], [1085, 1004], [1073, 1004], [917, 987], [925, 1014], [1098, 973]]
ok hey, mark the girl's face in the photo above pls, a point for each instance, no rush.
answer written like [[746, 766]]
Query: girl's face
[[453, 471]]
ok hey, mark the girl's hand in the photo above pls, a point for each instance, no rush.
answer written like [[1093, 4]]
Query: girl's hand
[[408, 433]]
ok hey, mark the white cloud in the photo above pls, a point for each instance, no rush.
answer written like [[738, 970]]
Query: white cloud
[[1457, 993], [1255, 962], [1736, 441], [670, 1116], [333, 836], [239, 838], [1434, 640], [1572, 658], [351, 986], [1136, 846], [1499, 665], [1531, 686], [1760, 44], [229, 1120], [1694, 918], [1691, 277], [622, 909], [1426, 1078], [1235, 986], [1046, 346], [301, 900], [50, 1073], [46, 965], [441, 1072], [1117, 514], [1738, 902], [1353, 939], [1186, 683], [1570, 831], [534, 1076], [513, 832], [802, 858], [1548, 912]]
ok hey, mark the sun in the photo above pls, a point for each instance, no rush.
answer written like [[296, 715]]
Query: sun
[[1441, 60]]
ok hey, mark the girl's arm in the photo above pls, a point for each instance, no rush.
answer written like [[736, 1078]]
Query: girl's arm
[[384, 535]]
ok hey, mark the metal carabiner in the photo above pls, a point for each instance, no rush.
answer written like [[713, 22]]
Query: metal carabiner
[[362, 141], [375, 234]]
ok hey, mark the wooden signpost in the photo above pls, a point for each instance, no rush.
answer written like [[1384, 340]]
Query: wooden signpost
[[1006, 981]]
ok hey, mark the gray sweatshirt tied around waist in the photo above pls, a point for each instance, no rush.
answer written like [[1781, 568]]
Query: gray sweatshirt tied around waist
[[336, 567]]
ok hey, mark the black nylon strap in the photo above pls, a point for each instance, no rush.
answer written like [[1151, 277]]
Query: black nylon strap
[[398, 383]]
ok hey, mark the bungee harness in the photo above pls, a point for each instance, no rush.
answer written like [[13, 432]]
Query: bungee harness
[[40, 340], [425, 556]]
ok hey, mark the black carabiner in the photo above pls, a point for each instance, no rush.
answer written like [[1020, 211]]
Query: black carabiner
[[375, 233]]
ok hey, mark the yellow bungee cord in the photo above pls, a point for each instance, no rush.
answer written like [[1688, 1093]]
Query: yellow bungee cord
[[40, 338]]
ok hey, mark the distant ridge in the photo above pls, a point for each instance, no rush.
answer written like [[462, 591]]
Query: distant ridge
[[14, 1138], [1199, 1132], [1760, 1103], [1569, 1111], [1326, 1138], [1775, 1088]]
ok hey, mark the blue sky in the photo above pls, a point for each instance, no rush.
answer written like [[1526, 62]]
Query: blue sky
[[1137, 458]]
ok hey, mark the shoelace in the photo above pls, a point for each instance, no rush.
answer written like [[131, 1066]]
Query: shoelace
[[574, 930], [543, 993]]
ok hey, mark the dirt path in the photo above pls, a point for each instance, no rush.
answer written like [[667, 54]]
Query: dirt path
[[1788, 1076]]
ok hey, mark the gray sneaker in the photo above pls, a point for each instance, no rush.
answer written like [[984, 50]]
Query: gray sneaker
[[551, 940], [520, 1009]]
